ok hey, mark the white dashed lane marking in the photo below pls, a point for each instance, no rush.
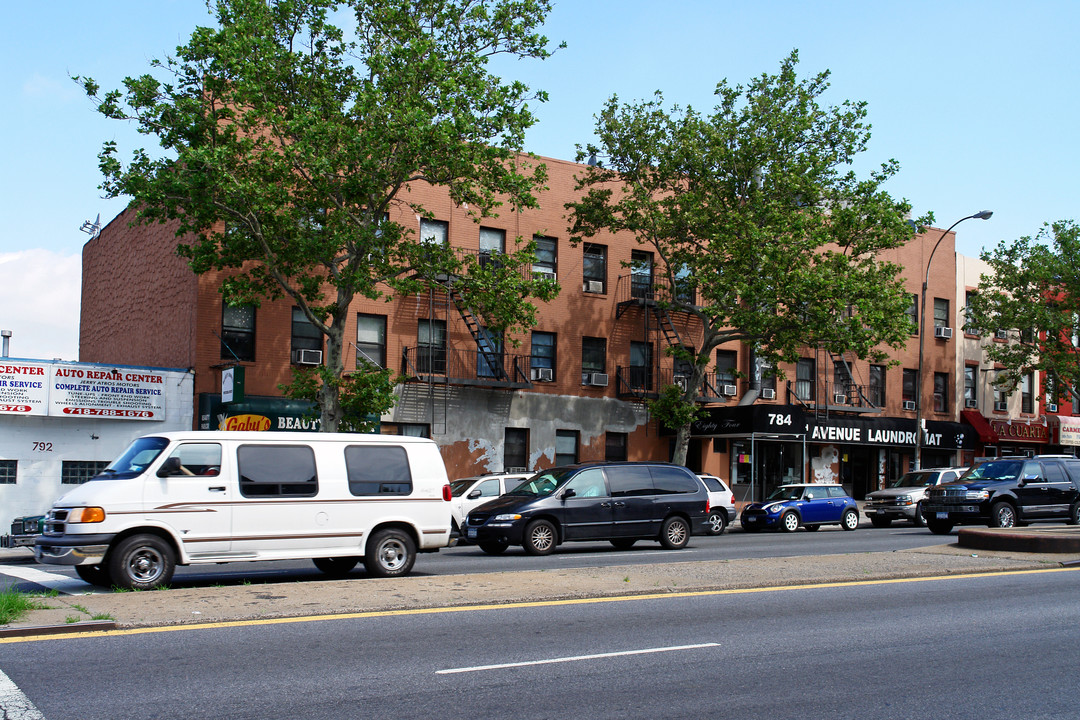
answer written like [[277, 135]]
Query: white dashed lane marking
[[52, 581]]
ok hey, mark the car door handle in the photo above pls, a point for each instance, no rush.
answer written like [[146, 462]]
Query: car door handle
[[216, 488], [605, 504], [620, 504]]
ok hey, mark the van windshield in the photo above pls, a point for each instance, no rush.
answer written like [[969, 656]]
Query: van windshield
[[135, 459], [542, 483]]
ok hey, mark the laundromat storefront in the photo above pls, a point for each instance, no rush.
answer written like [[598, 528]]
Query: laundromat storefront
[[772, 445]]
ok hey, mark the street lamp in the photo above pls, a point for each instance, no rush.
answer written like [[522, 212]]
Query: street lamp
[[981, 215]]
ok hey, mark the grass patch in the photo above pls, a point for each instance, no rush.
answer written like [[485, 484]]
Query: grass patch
[[14, 604]]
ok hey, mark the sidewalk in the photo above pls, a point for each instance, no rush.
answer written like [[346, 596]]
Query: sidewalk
[[361, 594]]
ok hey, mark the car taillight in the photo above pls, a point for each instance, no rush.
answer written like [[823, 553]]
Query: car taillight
[[707, 508], [446, 492]]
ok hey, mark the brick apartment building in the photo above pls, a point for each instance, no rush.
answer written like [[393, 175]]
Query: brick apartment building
[[573, 389]]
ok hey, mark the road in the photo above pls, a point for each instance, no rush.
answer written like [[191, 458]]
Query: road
[[468, 559], [985, 647]]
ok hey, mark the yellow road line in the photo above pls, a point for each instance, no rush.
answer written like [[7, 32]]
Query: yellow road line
[[516, 605]]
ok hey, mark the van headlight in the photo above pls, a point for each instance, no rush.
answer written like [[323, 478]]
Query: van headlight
[[511, 517]]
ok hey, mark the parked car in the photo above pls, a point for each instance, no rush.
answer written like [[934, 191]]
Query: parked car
[[23, 531], [467, 493], [1007, 491], [721, 504], [903, 499], [809, 505], [621, 502]]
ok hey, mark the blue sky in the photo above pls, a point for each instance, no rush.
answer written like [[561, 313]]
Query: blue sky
[[976, 100]]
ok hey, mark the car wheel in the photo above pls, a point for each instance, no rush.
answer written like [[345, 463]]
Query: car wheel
[[880, 522], [789, 522], [1074, 515], [623, 543], [939, 528], [390, 553], [494, 547], [919, 520], [850, 520], [94, 574], [675, 534], [540, 538], [1002, 515], [337, 566], [141, 562], [813, 528], [717, 523]]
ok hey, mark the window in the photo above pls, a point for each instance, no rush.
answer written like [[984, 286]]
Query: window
[[409, 429], [588, 484], [909, 383], [198, 459], [277, 470], [370, 340], [593, 357], [516, 448], [594, 268], [640, 366], [971, 374], [941, 312], [543, 351], [941, 392], [630, 480], [76, 472], [566, 447], [805, 372], [877, 385], [615, 444], [8, 471], [1001, 400], [913, 314], [378, 470], [683, 366], [238, 332], [436, 232], [1027, 396], [489, 356], [669, 480], [305, 336], [842, 383], [544, 267], [725, 366], [768, 378], [492, 245], [641, 270], [431, 347], [969, 324]]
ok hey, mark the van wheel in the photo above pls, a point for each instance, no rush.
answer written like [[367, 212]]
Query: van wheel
[[1002, 515], [717, 523], [94, 574], [540, 538], [390, 553], [141, 562], [336, 566], [675, 534]]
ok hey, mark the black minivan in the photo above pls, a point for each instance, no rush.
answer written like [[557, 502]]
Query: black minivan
[[621, 502]]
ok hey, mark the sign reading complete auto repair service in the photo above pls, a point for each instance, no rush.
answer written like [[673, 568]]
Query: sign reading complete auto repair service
[[67, 390]]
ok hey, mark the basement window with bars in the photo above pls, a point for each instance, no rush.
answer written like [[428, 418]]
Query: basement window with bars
[[76, 472], [8, 471]]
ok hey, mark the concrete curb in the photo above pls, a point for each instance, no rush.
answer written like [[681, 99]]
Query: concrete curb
[[1048, 541]]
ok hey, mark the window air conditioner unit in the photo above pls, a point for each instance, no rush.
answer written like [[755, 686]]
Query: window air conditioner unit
[[909, 404], [768, 394], [1001, 406], [1002, 334], [542, 374], [307, 357], [839, 399], [943, 332], [729, 390], [971, 403], [593, 286], [1051, 407], [543, 273], [598, 379], [682, 382]]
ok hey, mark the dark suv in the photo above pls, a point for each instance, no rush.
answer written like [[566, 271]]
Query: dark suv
[[1007, 491], [619, 502]]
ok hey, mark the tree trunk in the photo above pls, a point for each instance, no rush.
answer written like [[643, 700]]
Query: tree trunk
[[329, 402]]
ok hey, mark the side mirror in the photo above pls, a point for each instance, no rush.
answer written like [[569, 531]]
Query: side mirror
[[569, 493], [171, 466], [474, 494], [809, 496]]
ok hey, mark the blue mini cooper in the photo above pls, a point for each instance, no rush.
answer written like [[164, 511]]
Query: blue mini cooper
[[809, 505]]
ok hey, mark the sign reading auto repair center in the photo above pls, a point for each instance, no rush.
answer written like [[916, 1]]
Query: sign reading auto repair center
[[81, 390]]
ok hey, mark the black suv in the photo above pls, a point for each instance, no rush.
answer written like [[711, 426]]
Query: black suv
[[620, 502], [1007, 491]]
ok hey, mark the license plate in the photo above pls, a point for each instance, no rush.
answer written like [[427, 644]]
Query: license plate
[[943, 516], [471, 533]]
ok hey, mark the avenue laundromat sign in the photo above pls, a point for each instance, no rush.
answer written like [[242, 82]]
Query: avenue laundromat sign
[[889, 432]]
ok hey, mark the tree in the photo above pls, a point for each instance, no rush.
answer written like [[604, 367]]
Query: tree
[[288, 140], [1033, 295], [764, 233]]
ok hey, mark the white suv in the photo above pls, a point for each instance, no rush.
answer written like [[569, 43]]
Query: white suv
[[903, 499], [721, 504], [467, 493]]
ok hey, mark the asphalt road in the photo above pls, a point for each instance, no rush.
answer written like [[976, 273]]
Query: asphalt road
[[1000, 646]]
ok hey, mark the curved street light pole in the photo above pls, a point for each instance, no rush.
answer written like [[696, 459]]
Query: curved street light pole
[[981, 215]]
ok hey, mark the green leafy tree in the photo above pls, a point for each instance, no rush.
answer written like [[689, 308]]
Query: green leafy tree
[[762, 229], [1033, 294], [287, 140]]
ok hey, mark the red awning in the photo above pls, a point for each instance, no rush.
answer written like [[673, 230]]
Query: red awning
[[975, 419]]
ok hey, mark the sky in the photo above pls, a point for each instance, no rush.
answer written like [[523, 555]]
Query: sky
[[977, 101]]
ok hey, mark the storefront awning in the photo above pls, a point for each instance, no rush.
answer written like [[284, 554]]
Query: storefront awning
[[976, 420]]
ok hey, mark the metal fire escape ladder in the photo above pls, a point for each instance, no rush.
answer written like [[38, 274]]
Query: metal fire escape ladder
[[484, 343]]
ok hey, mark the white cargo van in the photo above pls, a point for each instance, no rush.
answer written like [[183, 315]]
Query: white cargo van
[[191, 498]]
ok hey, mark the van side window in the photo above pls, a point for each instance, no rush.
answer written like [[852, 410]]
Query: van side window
[[277, 470], [198, 459], [672, 481], [629, 480], [378, 470]]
